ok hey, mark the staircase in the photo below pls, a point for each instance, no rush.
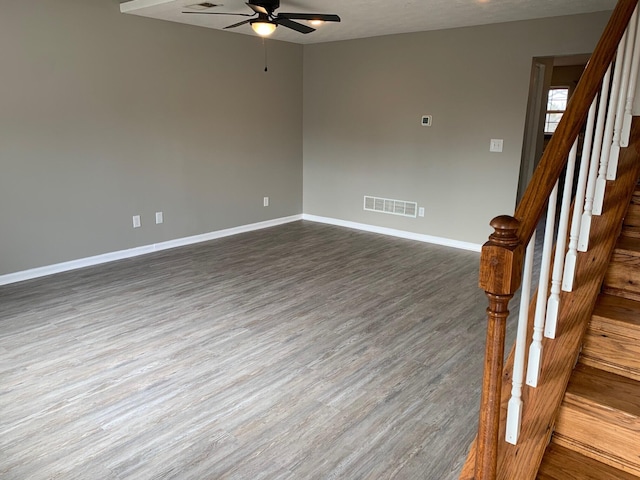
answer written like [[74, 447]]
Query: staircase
[[565, 404], [597, 431]]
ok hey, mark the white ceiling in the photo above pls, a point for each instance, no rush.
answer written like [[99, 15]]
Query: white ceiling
[[370, 18]]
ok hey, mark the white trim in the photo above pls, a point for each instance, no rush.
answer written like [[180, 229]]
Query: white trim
[[134, 252], [447, 242], [180, 242], [138, 4]]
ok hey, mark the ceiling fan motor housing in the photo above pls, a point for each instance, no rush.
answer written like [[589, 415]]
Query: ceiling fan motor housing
[[270, 5]]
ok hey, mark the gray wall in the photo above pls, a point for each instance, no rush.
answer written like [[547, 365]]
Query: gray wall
[[567, 76], [363, 100], [105, 115]]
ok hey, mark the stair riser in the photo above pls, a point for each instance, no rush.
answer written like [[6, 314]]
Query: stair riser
[[613, 344], [612, 353], [633, 232], [610, 437], [633, 214], [623, 276]]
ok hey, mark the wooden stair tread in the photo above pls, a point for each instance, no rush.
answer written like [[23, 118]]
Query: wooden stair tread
[[561, 463], [600, 418], [622, 291], [601, 389]]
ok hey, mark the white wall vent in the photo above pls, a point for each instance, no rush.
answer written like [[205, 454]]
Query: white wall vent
[[393, 207]]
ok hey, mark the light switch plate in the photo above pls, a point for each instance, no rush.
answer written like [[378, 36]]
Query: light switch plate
[[496, 145]]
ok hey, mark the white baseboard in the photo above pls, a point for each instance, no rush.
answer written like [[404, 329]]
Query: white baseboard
[[134, 252], [447, 242], [180, 242]]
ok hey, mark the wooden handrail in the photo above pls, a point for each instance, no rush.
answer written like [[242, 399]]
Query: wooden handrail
[[502, 256]]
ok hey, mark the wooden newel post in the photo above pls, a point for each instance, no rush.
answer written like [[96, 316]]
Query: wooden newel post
[[500, 276]]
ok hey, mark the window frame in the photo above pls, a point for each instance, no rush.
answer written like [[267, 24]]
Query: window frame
[[552, 111]]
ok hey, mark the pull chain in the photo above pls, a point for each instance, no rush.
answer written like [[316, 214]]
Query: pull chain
[[264, 44]]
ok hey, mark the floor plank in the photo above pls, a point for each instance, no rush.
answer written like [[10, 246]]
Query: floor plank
[[300, 351]]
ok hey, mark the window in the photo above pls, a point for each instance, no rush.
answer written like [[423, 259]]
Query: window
[[556, 105]]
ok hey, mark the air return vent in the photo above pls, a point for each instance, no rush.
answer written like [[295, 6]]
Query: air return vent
[[393, 207]]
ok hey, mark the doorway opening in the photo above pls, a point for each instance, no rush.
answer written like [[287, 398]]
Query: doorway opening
[[552, 82]]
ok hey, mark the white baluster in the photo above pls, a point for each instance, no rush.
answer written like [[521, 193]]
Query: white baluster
[[601, 182], [585, 222], [572, 254], [535, 350], [633, 80], [514, 408], [612, 166], [553, 304]]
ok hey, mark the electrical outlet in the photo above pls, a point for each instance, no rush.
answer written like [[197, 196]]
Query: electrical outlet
[[265, 202], [136, 221], [159, 217], [421, 212]]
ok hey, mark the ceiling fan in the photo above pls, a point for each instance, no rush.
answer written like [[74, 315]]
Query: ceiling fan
[[265, 20]]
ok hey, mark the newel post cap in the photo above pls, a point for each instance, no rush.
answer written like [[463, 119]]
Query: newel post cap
[[505, 230]]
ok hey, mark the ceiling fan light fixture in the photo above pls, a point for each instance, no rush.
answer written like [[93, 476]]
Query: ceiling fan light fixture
[[263, 28], [316, 22]]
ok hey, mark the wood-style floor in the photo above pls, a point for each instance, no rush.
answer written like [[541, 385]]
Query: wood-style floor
[[298, 352]]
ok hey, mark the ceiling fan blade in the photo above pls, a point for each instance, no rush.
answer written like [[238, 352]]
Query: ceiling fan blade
[[236, 24], [223, 13], [298, 27], [310, 16], [258, 8]]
